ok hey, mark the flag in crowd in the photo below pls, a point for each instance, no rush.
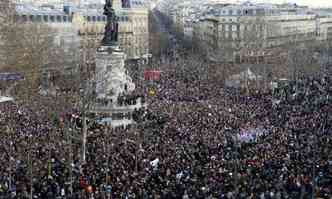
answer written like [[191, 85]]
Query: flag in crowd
[[152, 74], [251, 135]]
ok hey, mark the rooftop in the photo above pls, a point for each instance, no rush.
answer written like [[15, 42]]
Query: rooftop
[[26, 9], [29, 9]]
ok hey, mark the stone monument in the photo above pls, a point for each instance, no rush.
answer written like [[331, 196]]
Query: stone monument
[[112, 79]]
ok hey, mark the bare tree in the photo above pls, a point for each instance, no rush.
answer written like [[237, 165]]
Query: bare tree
[[26, 47], [300, 59], [7, 23], [159, 40], [255, 46]]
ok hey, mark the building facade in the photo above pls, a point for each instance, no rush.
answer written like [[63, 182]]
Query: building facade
[[76, 23], [238, 27]]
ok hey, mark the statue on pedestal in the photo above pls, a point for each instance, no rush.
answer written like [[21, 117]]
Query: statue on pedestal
[[112, 25]]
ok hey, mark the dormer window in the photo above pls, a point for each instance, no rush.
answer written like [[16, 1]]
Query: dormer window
[[24, 18], [45, 18], [109, 68], [58, 18]]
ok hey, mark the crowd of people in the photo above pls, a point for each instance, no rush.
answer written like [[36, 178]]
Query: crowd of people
[[184, 146], [127, 100]]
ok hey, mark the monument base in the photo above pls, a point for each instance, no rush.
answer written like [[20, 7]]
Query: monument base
[[113, 86]]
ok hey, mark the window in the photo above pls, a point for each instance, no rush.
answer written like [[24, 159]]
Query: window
[[94, 18], [24, 18], [109, 68], [260, 12], [230, 12], [234, 27], [58, 18], [17, 17], [230, 35], [31, 18], [65, 18], [45, 18], [62, 41], [104, 18], [117, 116], [89, 18], [38, 18], [99, 18], [238, 12], [52, 18]]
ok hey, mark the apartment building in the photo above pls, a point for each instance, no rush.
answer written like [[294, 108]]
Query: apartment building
[[73, 24], [324, 27], [260, 26]]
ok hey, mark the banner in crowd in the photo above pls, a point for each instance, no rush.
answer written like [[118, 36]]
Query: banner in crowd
[[11, 76], [152, 74], [251, 135]]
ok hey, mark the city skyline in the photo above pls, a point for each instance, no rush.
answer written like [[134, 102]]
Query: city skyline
[[316, 4]]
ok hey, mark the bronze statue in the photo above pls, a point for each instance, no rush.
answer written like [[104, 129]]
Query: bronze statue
[[112, 26]]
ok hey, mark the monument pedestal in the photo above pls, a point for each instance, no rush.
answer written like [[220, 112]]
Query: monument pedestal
[[113, 85], [112, 77]]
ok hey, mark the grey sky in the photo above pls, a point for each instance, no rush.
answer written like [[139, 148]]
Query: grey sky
[[312, 3]]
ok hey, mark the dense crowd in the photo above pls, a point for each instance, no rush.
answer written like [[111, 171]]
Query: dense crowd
[[184, 146]]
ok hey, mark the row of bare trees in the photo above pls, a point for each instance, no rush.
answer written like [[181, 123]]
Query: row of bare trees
[[26, 47], [30, 49], [257, 46], [159, 40]]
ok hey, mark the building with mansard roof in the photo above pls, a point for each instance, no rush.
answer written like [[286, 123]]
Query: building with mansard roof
[[236, 27], [72, 22]]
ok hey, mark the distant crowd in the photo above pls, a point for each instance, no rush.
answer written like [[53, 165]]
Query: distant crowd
[[186, 144]]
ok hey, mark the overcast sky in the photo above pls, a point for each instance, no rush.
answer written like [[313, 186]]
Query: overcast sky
[[312, 3]]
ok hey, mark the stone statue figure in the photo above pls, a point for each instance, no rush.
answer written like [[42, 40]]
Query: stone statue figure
[[111, 29]]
